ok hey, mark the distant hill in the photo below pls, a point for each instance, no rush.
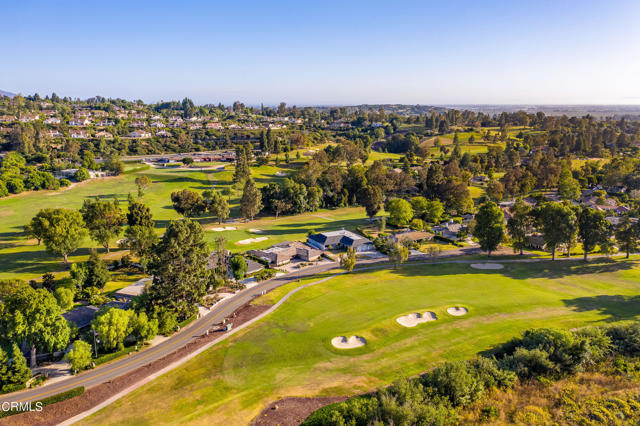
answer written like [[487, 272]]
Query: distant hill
[[9, 94]]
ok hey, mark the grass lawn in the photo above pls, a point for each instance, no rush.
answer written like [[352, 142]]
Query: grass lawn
[[289, 352], [24, 259]]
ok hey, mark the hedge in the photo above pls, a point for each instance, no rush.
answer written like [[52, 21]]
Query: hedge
[[71, 393]]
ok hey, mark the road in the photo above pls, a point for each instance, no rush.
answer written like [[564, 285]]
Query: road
[[197, 328], [107, 372]]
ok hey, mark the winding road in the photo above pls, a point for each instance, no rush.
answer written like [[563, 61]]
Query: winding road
[[224, 309]]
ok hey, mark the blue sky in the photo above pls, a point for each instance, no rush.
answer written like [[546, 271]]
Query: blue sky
[[325, 52]]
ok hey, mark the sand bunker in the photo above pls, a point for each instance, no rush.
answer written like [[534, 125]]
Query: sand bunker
[[256, 231], [341, 342], [223, 228], [487, 266], [458, 311], [281, 174], [252, 240], [416, 318]]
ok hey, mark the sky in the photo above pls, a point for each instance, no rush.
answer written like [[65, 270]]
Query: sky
[[325, 52]]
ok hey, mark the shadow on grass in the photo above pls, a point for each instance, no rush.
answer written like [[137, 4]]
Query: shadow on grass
[[539, 269], [615, 307]]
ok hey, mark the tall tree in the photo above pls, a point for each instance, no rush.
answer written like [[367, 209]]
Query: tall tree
[[520, 225], [559, 225], [34, 317], [348, 260], [400, 212], [179, 268], [142, 182], [593, 229], [251, 201], [139, 214], [372, 199], [113, 326], [489, 227], [63, 231], [568, 187], [104, 219], [398, 254], [216, 204], [37, 227], [627, 235]]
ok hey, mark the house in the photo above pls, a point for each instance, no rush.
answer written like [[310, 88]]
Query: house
[[195, 126], [282, 253], [214, 125], [536, 241], [103, 134], [52, 120], [82, 316], [176, 124], [7, 118], [341, 239], [138, 115], [79, 122], [138, 124], [449, 229], [78, 134], [140, 134], [100, 113], [105, 123], [157, 124], [122, 115], [28, 118], [54, 134], [163, 134], [127, 293], [479, 179], [156, 117]]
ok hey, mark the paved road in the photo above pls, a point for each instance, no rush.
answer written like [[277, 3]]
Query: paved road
[[197, 328]]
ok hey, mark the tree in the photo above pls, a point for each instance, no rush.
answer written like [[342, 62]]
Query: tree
[[139, 214], [82, 174], [238, 267], [113, 164], [37, 227], [64, 297], [489, 227], [79, 356], [142, 182], [627, 235], [251, 201], [188, 203], [495, 190], [593, 229], [179, 268], [568, 187], [140, 241], [372, 199], [104, 219], [144, 328], [113, 326], [558, 223], [400, 212], [187, 161], [216, 205], [398, 254], [348, 260], [428, 210], [520, 225], [17, 373], [34, 317], [63, 230], [97, 273]]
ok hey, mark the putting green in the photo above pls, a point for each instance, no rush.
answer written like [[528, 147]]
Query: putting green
[[289, 353]]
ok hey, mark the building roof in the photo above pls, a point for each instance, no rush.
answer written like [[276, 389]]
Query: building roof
[[81, 316], [342, 236], [132, 290]]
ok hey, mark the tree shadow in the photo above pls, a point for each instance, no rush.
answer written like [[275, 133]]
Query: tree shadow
[[615, 307]]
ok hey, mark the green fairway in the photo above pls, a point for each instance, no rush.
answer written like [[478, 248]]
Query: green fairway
[[289, 352], [24, 259]]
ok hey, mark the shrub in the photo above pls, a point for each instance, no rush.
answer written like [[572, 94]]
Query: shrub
[[417, 225], [65, 182], [79, 356], [456, 381], [82, 174], [64, 297], [167, 322]]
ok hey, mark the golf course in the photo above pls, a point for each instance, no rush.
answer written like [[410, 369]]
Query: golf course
[[289, 352]]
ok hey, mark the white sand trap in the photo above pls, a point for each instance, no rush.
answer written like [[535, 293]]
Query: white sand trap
[[223, 228], [256, 231], [416, 318], [458, 311], [281, 174], [341, 342], [487, 266], [252, 240]]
